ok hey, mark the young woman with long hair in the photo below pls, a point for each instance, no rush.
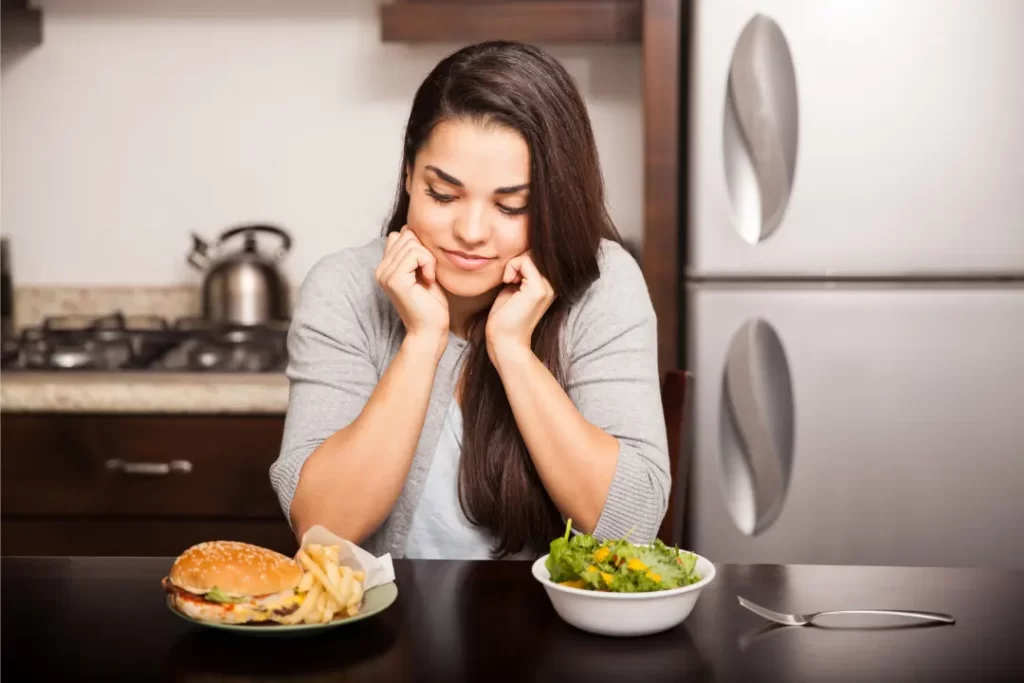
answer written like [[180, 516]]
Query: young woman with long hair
[[487, 368]]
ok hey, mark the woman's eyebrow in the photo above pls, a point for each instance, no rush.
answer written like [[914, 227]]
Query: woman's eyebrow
[[512, 189], [452, 180]]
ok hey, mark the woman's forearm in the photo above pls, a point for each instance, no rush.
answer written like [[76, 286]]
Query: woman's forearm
[[351, 481], [575, 460]]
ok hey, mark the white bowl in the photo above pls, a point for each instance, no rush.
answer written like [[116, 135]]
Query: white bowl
[[624, 614]]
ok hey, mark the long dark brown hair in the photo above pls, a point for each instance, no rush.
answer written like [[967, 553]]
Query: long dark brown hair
[[519, 87]]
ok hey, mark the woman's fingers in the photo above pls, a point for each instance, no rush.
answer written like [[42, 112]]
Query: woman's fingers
[[528, 269], [395, 262], [429, 266], [396, 242], [408, 259], [386, 260], [522, 271], [392, 239], [531, 277], [513, 271]]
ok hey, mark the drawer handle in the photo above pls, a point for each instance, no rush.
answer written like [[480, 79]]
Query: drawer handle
[[150, 468]]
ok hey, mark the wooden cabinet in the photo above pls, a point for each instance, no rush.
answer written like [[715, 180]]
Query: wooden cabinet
[[138, 484], [21, 26], [536, 21]]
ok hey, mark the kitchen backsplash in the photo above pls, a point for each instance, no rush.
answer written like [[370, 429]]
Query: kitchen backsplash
[[33, 304]]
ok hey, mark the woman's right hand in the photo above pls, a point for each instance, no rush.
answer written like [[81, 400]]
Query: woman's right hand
[[408, 274]]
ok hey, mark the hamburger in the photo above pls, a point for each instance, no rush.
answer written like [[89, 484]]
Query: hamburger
[[228, 582]]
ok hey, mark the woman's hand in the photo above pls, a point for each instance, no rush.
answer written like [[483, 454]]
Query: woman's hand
[[520, 305], [408, 274]]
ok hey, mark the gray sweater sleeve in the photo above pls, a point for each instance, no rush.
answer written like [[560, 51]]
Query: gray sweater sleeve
[[614, 383], [331, 368]]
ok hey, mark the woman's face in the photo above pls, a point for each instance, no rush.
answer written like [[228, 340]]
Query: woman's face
[[468, 195]]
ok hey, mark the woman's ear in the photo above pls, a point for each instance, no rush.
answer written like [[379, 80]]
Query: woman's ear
[[408, 179]]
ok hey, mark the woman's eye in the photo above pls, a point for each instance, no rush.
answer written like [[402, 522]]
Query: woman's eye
[[509, 211], [438, 197], [449, 198]]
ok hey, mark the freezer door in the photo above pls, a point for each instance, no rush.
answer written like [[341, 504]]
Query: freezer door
[[857, 425], [865, 137]]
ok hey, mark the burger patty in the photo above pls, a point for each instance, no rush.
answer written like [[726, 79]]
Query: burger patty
[[252, 606]]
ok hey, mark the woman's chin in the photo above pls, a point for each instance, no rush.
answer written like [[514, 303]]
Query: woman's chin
[[466, 285]]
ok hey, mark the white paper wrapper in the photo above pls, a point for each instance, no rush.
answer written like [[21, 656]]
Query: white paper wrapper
[[379, 570]]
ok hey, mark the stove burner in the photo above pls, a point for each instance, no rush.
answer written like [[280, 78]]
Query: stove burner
[[117, 342]]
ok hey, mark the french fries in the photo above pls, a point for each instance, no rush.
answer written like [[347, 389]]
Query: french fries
[[331, 590]]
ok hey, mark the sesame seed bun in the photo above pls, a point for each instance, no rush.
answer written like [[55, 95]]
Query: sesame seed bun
[[236, 569]]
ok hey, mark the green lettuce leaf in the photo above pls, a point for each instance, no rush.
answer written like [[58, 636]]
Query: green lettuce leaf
[[569, 555]]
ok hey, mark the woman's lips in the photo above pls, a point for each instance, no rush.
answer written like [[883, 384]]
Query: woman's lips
[[464, 261]]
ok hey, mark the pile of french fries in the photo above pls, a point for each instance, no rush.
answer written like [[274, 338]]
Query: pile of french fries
[[332, 591]]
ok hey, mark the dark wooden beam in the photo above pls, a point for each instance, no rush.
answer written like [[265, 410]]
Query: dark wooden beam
[[21, 26], [536, 21], [662, 40]]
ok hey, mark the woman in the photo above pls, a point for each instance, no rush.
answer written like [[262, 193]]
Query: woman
[[462, 386]]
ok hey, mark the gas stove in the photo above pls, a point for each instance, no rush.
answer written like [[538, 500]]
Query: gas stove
[[127, 343]]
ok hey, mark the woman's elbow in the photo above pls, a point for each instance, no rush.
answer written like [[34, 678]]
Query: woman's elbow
[[636, 508]]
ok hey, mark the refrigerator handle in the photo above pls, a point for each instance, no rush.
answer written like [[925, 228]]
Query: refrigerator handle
[[759, 138], [757, 416]]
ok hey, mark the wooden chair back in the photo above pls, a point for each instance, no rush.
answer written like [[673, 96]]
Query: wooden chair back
[[676, 389]]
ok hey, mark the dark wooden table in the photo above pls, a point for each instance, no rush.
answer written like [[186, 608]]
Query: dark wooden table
[[105, 618]]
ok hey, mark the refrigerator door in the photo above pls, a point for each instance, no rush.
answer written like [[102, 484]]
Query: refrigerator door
[[862, 138], [857, 424]]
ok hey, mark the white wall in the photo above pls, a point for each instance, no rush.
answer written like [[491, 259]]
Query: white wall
[[138, 121]]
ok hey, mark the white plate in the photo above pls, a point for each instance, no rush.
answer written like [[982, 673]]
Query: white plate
[[375, 601]]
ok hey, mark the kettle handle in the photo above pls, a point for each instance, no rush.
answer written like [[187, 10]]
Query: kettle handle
[[286, 240]]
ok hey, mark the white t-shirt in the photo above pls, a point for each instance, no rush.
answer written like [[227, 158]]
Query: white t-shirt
[[440, 529]]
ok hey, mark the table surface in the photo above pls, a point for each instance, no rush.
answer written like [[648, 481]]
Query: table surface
[[106, 618]]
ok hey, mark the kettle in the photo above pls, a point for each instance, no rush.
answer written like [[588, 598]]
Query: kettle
[[246, 286]]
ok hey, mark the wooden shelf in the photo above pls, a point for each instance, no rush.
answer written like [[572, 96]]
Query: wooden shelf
[[21, 26], [536, 21]]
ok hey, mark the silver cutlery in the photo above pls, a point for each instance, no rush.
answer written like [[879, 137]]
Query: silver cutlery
[[805, 619]]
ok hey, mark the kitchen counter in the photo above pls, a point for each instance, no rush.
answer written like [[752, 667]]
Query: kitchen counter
[[143, 392], [106, 619]]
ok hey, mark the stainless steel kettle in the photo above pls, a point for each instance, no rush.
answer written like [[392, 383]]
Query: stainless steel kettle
[[246, 286]]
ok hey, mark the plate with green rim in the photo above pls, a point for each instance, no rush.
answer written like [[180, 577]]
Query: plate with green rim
[[375, 601]]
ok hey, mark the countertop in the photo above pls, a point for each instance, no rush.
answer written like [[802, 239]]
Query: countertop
[[106, 619], [143, 392]]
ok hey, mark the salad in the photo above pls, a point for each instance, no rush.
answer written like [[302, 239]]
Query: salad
[[618, 566]]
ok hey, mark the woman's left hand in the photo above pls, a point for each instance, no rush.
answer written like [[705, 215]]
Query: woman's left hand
[[520, 305]]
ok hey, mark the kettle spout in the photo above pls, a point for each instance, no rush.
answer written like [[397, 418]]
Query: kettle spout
[[199, 258]]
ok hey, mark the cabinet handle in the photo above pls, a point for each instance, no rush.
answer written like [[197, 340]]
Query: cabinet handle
[[149, 468], [757, 426]]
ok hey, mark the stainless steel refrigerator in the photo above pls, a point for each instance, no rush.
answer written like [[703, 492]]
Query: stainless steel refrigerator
[[854, 295]]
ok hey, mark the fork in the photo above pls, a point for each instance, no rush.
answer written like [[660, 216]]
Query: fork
[[805, 619]]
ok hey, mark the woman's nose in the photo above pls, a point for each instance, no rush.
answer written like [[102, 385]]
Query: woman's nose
[[471, 225]]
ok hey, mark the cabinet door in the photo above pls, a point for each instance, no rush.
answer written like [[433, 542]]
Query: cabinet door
[[858, 424], [140, 465], [863, 137]]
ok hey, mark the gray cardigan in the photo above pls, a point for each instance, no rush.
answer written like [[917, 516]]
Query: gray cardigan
[[345, 332]]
